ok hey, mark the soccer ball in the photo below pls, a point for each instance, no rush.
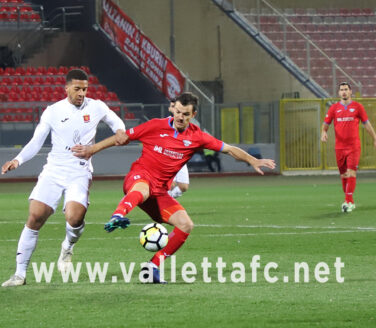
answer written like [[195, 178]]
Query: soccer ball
[[153, 237]]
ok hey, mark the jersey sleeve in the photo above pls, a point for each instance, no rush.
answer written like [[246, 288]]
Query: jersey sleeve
[[35, 144], [329, 115], [139, 131], [209, 142], [111, 119], [362, 114]]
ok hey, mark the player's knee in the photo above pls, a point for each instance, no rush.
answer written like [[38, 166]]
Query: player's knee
[[74, 221], [183, 187], [187, 226], [35, 221]]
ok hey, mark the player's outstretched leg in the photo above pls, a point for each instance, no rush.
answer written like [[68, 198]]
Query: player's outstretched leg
[[127, 204], [117, 221]]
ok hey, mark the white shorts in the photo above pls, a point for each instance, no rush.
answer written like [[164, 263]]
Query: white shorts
[[52, 185], [182, 176]]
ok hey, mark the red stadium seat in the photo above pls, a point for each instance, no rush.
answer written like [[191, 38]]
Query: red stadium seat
[[6, 80], [17, 80], [38, 80], [15, 89], [51, 70], [93, 79], [20, 71], [47, 89], [112, 96], [41, 70], [31, 71], [9, 71], [60, 80], [49, 80], [86, 69], [37, 89], [63, 70], [102, 88]]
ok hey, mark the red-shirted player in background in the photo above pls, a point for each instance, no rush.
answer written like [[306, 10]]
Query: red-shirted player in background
[[346, 115], [167, 145]]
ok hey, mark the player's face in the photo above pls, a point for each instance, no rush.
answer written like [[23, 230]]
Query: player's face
[[182, 116], [76, 91], [344, 92]]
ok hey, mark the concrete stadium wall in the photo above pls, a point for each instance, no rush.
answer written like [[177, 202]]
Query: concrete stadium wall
[[118, 160], [209, 47]]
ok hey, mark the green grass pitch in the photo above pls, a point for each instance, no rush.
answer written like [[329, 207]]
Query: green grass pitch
[[281, 219]]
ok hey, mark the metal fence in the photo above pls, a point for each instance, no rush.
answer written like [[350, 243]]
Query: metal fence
[[300, 130]]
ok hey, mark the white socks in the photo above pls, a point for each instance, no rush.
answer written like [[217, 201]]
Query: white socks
[[26, 246], [72, 236], [175, 192]]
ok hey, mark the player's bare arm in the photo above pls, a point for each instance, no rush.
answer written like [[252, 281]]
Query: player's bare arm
[[120, 138], [241, 155], [324, 132], [371, 132], [88, 151], [9, 166]]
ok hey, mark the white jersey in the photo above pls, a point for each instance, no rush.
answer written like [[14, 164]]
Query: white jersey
[[69, 125]]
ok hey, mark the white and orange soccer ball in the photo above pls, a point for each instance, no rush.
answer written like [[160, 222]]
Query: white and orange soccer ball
[[153, 237]]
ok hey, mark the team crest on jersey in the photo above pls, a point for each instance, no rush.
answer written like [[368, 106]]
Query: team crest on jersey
[[86, 118], [352, 110], [187, 143]]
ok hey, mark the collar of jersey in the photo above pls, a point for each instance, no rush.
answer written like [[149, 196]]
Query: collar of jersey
[[345, 106], [171, 124], [74, 107]]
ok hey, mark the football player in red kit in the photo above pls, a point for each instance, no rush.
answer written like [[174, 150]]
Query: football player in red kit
[[167, 145], [346, 115]]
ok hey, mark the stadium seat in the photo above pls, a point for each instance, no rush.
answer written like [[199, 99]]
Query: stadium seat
[[31, 71]]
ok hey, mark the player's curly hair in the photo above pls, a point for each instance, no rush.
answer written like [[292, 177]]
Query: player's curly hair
[[188, 98], [76, 74]]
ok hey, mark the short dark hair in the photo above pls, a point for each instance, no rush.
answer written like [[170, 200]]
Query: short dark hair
[[188, 98], [76, 74], [344, 83]]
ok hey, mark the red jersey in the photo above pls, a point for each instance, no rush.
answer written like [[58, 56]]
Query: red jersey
[[346, 123], [165, 150]]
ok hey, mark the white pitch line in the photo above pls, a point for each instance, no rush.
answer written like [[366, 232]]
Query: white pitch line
[[261, 226], [220, 235]]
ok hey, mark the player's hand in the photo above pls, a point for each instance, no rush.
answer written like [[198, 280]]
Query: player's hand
[[269, 163], [82, 151], [324, 137], [9, 166], [121, 138]]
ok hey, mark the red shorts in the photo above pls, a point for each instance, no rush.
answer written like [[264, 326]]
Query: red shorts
[[160, 205], [347, 159]]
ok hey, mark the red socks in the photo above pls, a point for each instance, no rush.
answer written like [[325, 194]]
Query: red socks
[[129, 202], [344, 184], [350, 188], [176, 240]]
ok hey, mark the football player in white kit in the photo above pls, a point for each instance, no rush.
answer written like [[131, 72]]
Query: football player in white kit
[[71, 121], [180, 183]]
